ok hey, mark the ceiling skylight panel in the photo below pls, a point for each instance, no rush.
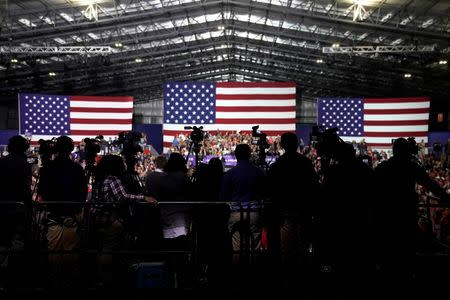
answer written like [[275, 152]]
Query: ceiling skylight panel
[[266, 38], [212, 17], [397, 41], [66, 17], [386, 17], [77, 38], [427, 23], [93, 36], [27, 22], [47, 20], [406, 20], [59, 40]]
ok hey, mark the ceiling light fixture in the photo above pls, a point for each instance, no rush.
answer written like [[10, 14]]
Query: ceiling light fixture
[[319, 61], [359, 11], [138, 60], [442, 62], [118, 45], [407, 75], [52, 74], [13, 60]]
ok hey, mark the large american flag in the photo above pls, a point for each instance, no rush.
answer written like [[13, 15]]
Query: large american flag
[[47, 116], [377, 120], [228, 106]]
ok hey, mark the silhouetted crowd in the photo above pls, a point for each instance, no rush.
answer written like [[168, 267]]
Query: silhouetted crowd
[[351, 208]]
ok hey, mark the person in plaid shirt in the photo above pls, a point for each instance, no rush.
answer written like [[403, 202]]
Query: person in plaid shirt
[[109, 218]]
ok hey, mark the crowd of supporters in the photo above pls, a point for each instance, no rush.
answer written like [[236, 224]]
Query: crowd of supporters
[[297, 171]]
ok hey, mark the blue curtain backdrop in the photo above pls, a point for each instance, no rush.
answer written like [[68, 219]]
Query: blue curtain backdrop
[[5, 135], [154, 134]]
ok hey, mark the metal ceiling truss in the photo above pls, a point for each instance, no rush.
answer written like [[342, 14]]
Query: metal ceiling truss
[[173, 42], [378, 49], [58, 50]]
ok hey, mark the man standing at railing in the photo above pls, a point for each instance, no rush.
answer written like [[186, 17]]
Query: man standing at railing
[[63, 180], [396, 212], [244, 186]]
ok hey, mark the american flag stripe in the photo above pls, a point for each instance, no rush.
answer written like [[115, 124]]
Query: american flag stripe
[[238, 107], [391, 118], [88, 116]]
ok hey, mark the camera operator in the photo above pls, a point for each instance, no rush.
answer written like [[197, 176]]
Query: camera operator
[[396, 213], [345, 212], [294, 193], [63, 180]]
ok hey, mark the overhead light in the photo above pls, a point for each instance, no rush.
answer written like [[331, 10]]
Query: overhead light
[[52, 74], [319, 61], [442, 62], [359, 12], [13, 60], [138, 60], [118, 45], [221, 27], [335, 45], [407, 75]]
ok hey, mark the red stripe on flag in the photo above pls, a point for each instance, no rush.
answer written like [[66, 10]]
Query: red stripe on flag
[[188, 132], [396, 123], [382, 145], [102, 98], [95, 132], [255, 121], [100, 121], [255, 97], [255, 84], [396, 134], [101, 110], [255, 108], [396, 100], [396, 111]]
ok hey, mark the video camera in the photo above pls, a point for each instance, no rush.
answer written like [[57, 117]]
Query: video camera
[[259, 138], [197, 134], [129, 140], [326, 141]]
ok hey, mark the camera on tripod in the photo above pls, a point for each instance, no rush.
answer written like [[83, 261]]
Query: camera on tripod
[[197, 134], [129, 141], [259, 138], [326, 141]]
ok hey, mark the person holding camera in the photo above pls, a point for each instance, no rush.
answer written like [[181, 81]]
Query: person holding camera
[[396, 210], [62, 180]]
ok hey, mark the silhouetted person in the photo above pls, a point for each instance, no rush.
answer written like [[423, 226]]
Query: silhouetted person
[[213, 243], [15, 186], [345, 213], [109, 188], [63, 180], [294, 187], [173, 186], [244, 186], [396, 215]]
